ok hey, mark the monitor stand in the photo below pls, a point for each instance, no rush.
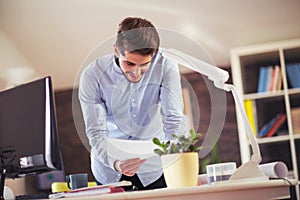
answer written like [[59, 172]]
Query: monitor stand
[[7, 155], [3, 174]]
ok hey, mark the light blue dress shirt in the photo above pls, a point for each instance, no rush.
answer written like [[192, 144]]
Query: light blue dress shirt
[[115, 108]]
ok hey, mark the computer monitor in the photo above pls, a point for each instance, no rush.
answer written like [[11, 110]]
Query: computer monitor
[[28, 132]]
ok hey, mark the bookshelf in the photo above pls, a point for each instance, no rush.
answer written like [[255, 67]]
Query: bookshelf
[[246, 64]]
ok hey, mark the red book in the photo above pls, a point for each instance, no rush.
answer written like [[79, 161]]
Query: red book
[[276, 125], [95, 190], [86, 192], [273, 80]]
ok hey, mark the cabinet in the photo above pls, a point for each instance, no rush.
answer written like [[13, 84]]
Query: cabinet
[[246, 64]]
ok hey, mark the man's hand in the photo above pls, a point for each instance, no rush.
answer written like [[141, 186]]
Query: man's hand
[[128, 167]]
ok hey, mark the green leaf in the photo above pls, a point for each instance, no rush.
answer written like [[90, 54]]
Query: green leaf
[[182, 144], [198, 135], [193, 134], [159, 152], [157, 142], [165, 145], [192, 148], [198, 148]]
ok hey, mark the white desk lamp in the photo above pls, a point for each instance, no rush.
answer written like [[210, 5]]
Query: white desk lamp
[[250, 169]]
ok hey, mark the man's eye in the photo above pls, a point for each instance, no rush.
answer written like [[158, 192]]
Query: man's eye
[[144, 65], [130, 63]]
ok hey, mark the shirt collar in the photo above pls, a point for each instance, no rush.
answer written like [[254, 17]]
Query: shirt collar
[[116, 66]]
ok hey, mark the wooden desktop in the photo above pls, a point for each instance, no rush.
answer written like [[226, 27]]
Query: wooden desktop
[[270, 189]]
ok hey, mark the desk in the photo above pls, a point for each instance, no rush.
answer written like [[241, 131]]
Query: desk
[[226, 190]]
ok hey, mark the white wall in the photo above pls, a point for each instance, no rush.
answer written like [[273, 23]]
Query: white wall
[[10, 57]]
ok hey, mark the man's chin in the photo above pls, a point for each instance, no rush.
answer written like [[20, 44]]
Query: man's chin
[[134, 80]]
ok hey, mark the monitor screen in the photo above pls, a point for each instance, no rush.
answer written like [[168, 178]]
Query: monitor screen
[[28, 132]]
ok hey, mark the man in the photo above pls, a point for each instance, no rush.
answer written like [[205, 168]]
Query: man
[[133, 94]]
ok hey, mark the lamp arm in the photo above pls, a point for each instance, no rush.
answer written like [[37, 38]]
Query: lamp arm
[[219, 77], [256, 156]]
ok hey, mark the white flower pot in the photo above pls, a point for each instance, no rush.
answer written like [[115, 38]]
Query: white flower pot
[[181, 169]]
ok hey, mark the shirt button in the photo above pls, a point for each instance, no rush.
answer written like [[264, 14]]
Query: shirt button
[[133, 130], [134, 115]]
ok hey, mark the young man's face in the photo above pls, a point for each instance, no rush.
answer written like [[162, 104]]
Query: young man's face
[[134, 65]]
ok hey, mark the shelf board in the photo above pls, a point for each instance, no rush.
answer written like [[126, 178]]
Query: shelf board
[[270, 94], [294, 91], [297, 136], [264, 95], [280, 138]]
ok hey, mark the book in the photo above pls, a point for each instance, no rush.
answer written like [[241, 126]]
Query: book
[[83, 193], [263, 73], [279, 81], [250, 114], [269, 78], [267, 126], [293, 74], [94, 190], [279, 121], [295, 112], [273, 79], [276, 79]]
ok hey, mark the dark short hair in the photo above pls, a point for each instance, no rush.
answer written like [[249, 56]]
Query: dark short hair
[[137, 35]]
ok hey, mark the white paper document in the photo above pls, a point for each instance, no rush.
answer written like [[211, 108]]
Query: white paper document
[[274, 169], [126, 149]]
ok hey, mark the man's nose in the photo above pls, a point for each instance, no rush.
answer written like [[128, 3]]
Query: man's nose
[[136, 70]]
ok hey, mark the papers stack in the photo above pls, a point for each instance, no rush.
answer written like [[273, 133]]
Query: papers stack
[[95, 190]]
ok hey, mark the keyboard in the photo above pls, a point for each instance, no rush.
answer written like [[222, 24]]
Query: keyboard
[[32, 196]]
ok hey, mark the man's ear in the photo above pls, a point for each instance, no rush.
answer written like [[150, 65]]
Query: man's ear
[[116, 51]]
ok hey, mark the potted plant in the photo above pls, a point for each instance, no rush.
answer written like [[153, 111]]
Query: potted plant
[[180, 160]]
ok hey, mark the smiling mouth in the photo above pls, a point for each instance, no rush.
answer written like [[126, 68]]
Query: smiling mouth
[[134, 76]]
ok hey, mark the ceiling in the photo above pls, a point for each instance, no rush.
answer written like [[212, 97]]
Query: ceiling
[[55, 36]]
